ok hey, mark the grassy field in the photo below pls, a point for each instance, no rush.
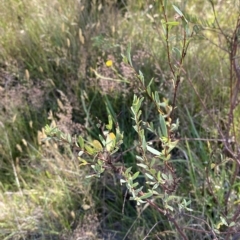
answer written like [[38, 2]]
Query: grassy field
[[53, 70]]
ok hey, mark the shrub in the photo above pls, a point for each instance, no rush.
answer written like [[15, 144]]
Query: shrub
[[155, 165], [163, 157]]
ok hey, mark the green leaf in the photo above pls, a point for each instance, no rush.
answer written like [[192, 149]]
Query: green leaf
[[152, 171], [139, 158], [149, 176], [177, 51], [90, 176], [172, 145], [100, 163], [119, 134], [150, 183], [144, 144], [135, 185], [139, 201], [97, 145], [139, 114], [197, 28], [103, 141], [157, 193], [163, 26], [151, 127], [124, 59], [153, 151], [135, 127], [136, 104], [178, 10], [156, 97], [232, 224], [80, 153], [149, 90], [129, 54], [163, 126], [169, 207], [152, 162], [122, 181], [159, 177], [142, 165], [150, 83], [165, 158], [128, 170], [46, 139], [146, 195], [189, 209], [174, 126], [81, 142], [138, 190], [110, 141], [187, 29], [89, 150], [110, 123], [141, 77], [223, 220], [135, 175], [165, 177], [173, 23], [69, 138]]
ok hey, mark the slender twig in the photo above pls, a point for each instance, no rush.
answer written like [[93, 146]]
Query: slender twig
[[233, 95], [166, 213], [234, 219], [197, 218], [184, 51], [226, 146], [203, 139], [217, 22], [233, 100], [180, 68], [151, 229], [215, 44], [167, 39]]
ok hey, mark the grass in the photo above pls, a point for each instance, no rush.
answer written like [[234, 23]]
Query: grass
[[47, 52]]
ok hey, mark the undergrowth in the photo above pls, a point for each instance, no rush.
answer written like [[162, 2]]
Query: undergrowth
[[137, 93]]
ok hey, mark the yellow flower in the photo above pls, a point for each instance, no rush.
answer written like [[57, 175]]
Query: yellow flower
[[109, 63]]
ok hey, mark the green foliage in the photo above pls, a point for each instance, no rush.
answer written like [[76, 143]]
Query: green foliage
[[149, 140], [160, 182]]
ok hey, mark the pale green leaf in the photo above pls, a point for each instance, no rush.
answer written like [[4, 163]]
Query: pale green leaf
[[139, 158], [163, 126], [135, 185], [81, 142], [232, 224], [142, 165], [110, 142], [146, 195], [165, 177], [172, 23], [223, 220], [149, 176], [135, 175], [128, 170], [122, 181], [153, 151], [129, 54], [177, 10]]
